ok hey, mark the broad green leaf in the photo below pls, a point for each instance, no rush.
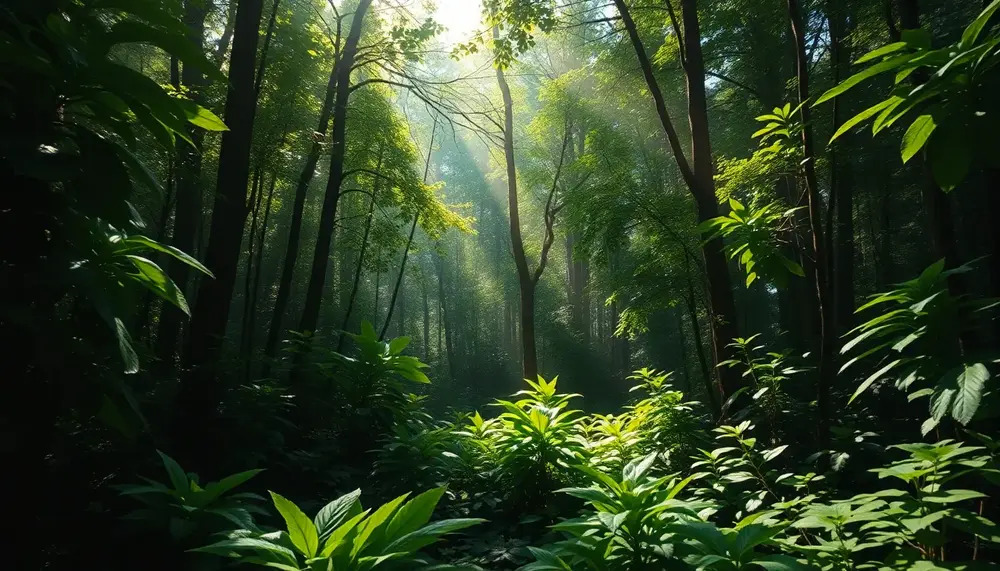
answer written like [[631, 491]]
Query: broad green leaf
[[172, 43], [228, 546], [336, 512], [397, 345], [300, 528], [155, 280], [414, 513], [371, 530], [881, 67], [428, 534], [781, 563], [867, 113], [137, 242], [201, 117], [916, 136], [882, 51], [971, 381], [178, 477], [216, 489], [874, 377], [125, 347], [971, 33]]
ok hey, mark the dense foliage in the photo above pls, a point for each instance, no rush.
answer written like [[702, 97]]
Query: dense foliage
[[265, 263]]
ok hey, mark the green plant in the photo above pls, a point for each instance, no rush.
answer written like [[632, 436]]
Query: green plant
[[916, 342], [537, 440], [948, 94], [769, 372], [929, 525], [70, 148], [663, 420], [184, 508], [625, 529], [753, 238], [343, 536], [740, 477]]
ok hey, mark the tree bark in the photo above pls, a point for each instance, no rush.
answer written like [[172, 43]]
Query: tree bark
[[201, 388], [255, 289], [188, 206], [529, 359], [698, 176], [321, 254], [841, 179], [295, 226], [828, 336]]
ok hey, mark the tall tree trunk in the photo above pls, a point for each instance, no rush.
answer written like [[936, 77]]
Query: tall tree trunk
[[361, 260], [256, 199], [188, 213], [227, 31], [443, 318], [338, 142], [201, 388], [258, 265], [698, 176], [409, 241], [295, 226], [529, 359], [427, 322], [841, 179], [828, 341]]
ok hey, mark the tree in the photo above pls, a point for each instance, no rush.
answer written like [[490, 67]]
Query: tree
[[698, 175], [202, 387]]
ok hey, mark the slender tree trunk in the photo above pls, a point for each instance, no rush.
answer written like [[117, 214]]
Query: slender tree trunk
[[262, 64], [255, 289], [201, 388], [361, 261], [529, 360], [409, 241], [443, 319], [841, 179], [828, 342], [188, 213], [295, 226], [427, 322], [256, 199], [698, 176], [338, 142], [227, 31], [711, 387]]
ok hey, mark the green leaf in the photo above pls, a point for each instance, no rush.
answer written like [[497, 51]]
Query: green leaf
[[874, 377], [201, 117], [971, 381], [155, 280], [971, 33], [368, 528], [125, 347], [414, 513], [397, 345], [138, 243], [780, 563], [882, 51], [216, 489], [916, 136], [178, 478], [426, 535], [300, 528], [228, 546], [881, 67], [867, 113], [336, 512]]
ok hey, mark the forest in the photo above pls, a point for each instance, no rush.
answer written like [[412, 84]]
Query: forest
[[606, 285]]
